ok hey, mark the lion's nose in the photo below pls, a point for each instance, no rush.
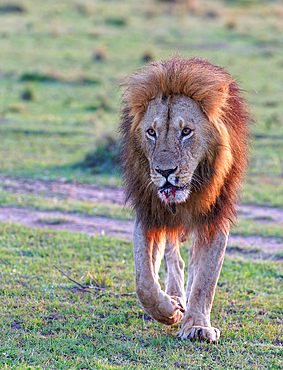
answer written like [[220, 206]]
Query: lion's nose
[[166, 173]]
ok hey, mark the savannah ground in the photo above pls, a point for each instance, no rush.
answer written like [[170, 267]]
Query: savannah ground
[[61, 63]]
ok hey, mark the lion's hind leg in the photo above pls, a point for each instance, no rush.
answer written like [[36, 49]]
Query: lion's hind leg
[[148, 253], [174, 269]]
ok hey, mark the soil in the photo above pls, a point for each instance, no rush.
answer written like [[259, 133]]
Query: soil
[[63, 190], [67, 221], [114, 227]]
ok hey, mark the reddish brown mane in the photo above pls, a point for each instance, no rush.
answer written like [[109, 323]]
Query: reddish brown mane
[[210, 205]]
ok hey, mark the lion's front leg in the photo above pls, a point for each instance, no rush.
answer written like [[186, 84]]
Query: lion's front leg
[[204, 268], [148, 253]]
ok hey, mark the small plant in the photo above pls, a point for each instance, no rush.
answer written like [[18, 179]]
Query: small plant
[[99, 54], [118, 22], [28, 93], [55, 76], [105, 158], [212, 14], [11, 8], [53, 220], [100, 277], [148, 55], [38, 77], [264, 218]]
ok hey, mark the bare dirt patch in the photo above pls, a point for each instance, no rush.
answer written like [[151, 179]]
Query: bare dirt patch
[[77, 223], [261, 213], [114, 227], [63, 190], [97, 225], [269, 245]]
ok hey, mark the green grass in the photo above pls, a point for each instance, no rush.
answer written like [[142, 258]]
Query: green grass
[[263, 190], [40, 202], [48, 51], [250, 227], [48, 323]]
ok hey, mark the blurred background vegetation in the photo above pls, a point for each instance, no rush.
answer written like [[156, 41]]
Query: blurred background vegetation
[[62, 62]]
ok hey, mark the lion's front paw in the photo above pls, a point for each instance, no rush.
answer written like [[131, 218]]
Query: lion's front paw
[[200, 333], [179, 303], [179, 310], [170, 311]]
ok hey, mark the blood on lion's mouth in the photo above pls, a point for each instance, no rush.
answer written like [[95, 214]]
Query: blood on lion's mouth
[[170, 194]]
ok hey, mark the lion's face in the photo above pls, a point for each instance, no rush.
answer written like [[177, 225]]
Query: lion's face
[[175, 134]]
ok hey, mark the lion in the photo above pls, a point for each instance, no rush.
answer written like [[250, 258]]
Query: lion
[[185, 135]]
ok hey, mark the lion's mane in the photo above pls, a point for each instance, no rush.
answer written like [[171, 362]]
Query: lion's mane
[[209, 206]]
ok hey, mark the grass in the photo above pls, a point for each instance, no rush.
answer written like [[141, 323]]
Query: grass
[[263, 190], [61, 64], [43, 203], [250, 227], [48, 323]]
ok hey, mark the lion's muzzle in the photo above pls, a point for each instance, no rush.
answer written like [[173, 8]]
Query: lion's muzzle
[[168, 183]]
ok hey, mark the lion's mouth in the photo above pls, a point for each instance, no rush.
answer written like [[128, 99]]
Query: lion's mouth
[[170, 194], [169, 186]]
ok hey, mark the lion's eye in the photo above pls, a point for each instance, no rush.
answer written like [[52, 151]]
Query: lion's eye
[[151, 132], [186, 131]]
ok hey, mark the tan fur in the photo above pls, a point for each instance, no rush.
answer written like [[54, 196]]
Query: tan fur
[[185, 134]]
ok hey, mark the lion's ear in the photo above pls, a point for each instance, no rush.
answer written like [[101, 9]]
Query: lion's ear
[[214, 103]]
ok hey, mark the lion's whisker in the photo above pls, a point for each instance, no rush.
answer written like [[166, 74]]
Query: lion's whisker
[[150, 182]]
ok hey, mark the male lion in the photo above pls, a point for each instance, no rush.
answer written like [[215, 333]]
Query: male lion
[[185, 136]]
